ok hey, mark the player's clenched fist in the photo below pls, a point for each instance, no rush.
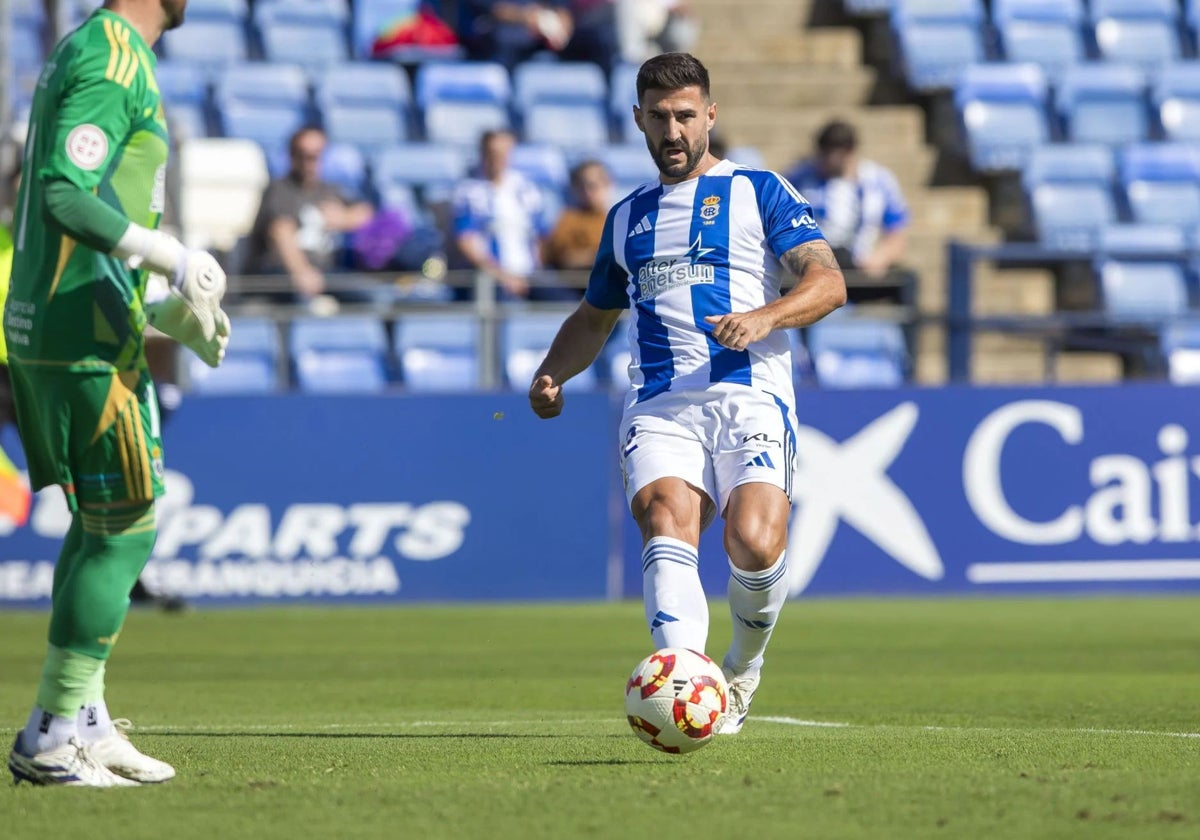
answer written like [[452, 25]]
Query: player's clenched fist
[[545, 397], [740, 330]]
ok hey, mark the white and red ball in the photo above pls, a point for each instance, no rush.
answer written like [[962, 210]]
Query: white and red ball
[[674, 698]]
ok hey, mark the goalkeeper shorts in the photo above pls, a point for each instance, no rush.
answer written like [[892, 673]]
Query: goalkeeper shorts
[[96, 433]]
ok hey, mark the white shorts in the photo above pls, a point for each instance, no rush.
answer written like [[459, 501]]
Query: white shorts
[[715, 440]]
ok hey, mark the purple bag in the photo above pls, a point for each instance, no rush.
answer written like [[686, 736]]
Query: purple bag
[[375, 243]]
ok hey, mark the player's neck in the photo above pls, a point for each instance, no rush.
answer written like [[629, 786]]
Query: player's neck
[[145, 18], [706, 163]]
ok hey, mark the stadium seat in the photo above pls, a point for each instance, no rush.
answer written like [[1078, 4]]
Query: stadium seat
[[462, 123], [1048, 33], [1176, 96], [622, 96], [1103, 103], [25, 46], [432, 168], [936, 39], [1144, 32], [1180, 345], [629, 163], [339, 355], [545, 166], [567, 126], [1003, 110], [368, 127], [209, 44], [746, 156], [221, 182], [250, 365], [852, 352], [525, 340], [1070, 193], [1162, 183], [184, 91], [231, 11], [463, 81], [310, 33], [28, 12], [438, 352], [559, 82], [262, 102], [1141, 290], [867, 8], [1136, 239], [369, 92]]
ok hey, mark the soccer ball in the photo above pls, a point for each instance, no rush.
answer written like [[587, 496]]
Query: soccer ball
[[673, 699]]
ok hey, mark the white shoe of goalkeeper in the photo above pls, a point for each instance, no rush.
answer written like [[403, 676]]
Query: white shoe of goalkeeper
[[71, 764], [740, 691], [119, 755]]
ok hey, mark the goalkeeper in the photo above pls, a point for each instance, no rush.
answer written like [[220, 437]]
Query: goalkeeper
[[90, 269]]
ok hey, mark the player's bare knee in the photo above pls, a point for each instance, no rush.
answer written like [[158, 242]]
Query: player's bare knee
[[667, 511], [754, 542]]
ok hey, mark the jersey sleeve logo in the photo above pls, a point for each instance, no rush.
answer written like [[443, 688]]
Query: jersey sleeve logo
[[87, 146]]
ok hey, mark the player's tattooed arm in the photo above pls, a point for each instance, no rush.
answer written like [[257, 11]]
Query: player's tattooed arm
[[810, 255]]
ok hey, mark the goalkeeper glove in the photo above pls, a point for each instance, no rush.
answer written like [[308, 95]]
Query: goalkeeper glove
[[195, 276], [168, 311]]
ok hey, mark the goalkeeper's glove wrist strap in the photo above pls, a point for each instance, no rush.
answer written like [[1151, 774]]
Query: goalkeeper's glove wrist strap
[[140, 247]]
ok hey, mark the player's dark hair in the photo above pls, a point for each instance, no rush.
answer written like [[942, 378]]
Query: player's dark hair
[[491, 134], [672, 71], [300, 132], [837, 136]]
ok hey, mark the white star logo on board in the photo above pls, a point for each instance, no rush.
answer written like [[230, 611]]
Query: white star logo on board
[[848, 482]]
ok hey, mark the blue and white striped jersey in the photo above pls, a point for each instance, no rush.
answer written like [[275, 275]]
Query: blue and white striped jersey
[[675, 253]]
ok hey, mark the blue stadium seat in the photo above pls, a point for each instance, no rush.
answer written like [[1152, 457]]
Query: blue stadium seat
[[1176, 95], [1162, 183], [367, 127], [311, 33], [852, 352], [867, 8], [462, 123], [1103, 103], [1046, 32], [25, 47], [747, 156], [28, 12], [368, 105], [622, 96], [438, 352], [339, 355], [562, 81], [1003, 110], [1180, 345], [210, 44], [1142, 290], [545, 166], [1130, 240], [184, 91], [232, 11], [262, 102], [463, 81], [568, 126], [628, 163], [431, 167], [1144, 32], [525, 340], [369, 18], [251, 361], [1070, 193], [936, 39]]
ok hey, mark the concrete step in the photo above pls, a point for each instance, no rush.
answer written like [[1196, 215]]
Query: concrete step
[[1026, 291], [999, 359], [912, 165], [807, 84], [929, 356], [771, 14], [1087, 368], [749, 124], [777, 49]]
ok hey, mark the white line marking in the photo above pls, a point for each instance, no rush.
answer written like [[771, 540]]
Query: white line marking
[[791, 721], [994, 729], [1084, 570]]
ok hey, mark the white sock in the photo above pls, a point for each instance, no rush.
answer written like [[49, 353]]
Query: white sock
[[676, 608], [94, 722], [44, 731], [755, 599]]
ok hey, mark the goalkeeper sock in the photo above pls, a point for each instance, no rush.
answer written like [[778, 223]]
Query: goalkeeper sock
[[755, 599], [91, 597], [93, 720], [65, 680], [676, 609]]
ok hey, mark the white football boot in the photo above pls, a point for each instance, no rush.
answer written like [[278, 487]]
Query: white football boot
[[119, 755], [71, 764], [740, 691]]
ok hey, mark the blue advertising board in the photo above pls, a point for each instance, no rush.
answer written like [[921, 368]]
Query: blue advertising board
[[372, 498], [452, 498], [983, 490]]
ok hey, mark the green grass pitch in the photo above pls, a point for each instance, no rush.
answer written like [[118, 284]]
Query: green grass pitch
[[964, 719]]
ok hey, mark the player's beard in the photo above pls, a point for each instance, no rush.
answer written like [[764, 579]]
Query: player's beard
[[173, 12], [691, 157]]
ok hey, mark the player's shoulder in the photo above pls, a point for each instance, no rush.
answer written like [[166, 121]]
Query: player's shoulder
[[106, 47]]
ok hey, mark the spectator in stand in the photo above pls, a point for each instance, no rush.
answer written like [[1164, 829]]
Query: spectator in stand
[[572, 244], [861, 211], [595, 36], [650, 27], [300, 220], [511, 31], [499, 218]]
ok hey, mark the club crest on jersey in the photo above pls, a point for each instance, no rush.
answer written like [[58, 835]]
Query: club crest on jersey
[[711, 208], [661, 274]]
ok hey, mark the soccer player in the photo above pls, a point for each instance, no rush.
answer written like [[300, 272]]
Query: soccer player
[[90, 269], [709, 423]]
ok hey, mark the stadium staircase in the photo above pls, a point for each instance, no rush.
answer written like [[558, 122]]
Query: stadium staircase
[[777, 77]]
